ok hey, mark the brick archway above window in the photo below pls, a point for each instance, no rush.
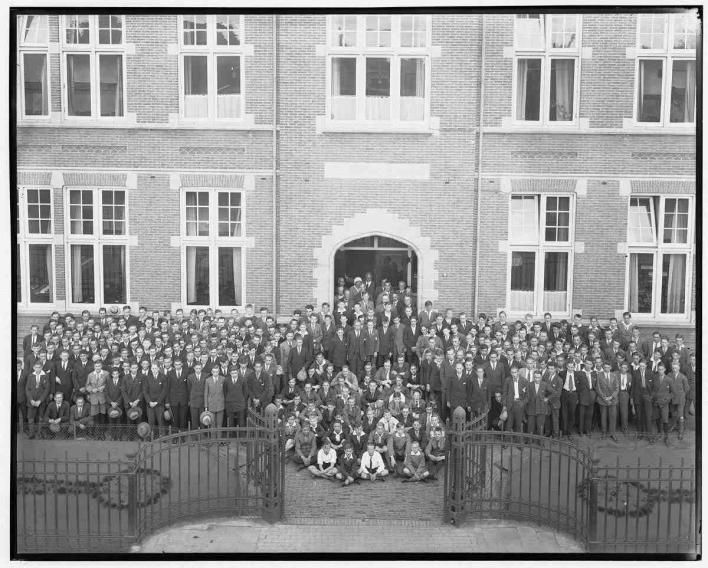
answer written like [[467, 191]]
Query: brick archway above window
[[381, 222]]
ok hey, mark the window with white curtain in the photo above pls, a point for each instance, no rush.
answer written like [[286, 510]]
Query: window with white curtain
[[35, 284], [94, 66], [660, 248], [378, 68], [547, 48], [211, 67], [540, 253], [33, 59], [97, 246], [212, 247], [666, 69]]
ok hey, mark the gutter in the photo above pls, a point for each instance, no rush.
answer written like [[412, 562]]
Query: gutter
[[479, 170]]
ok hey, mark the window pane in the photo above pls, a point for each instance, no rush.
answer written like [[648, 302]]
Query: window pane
[[685, 30], [197, 216], [555, 282], [78, 77], [343, 31], [378, 88], [528, 31], [228, 86], [111, 70], [195, 30], [81, 211], [523, 276], [649, 107], [683, 91], [229, 214], [41, 273], [523, 213], [343, 88], [562, 89], [641, 276], [676, 221], [77, 29], [35, 84], [528, 89], [197, 275], [378, 31], [35, 29], [673, 284], [557, 219], [113, 212], [82, 275], [563, 31], [229, 276], [227, 30], [110, 29], [196, 101], [412, 89], [114, 289], [413, 31], [652, 31], [641, 220], [39, 211]]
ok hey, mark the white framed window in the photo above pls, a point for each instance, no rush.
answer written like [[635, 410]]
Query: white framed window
[[33, 58], [665, 74], [93, 66], [35, 285], [540, 259], [212, 247], [96, 246], [378, 69], [546, 68], [211, 67], [660, 250]]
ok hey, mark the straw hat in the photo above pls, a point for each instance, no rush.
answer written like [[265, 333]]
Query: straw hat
[[135, 413], [115, 412], [144, 429], [206, 418]]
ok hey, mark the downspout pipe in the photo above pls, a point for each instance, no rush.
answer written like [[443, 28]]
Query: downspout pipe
[[479, 169], [274, 188]]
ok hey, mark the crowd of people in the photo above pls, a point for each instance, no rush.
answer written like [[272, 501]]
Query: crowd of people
[[363, 390]]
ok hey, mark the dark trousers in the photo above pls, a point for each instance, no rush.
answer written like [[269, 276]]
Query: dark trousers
[[154, 415], [34, 416], [195, 411], [555, 421], [515, 418], [21, 415], [623, 407], [236, 418], [536, 423], [608, 416], [356, 365], [585, 418], [569, 403], [179, 415], [644, 415], [380, 358]]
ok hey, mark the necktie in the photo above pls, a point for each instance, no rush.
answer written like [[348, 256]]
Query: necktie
[[572, 383], [643, 383]]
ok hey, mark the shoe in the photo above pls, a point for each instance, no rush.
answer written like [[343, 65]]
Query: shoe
[[666, 441], [612, 437]]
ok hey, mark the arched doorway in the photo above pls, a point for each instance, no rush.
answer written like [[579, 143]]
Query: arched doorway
[[383, 256]]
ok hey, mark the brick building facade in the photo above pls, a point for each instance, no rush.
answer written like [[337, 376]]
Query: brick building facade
[[522, 162]]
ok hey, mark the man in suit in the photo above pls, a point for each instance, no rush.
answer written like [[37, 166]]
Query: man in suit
[[299, 358], [20, 394], [81, 372], [586, 397], [329, 330], [154, 393], [642, 392], [57, 412], [411, 333], [63, 381], [626, 328], [459, 390], [607, 398], [537, 404], [649, 346], [214, 400], [479, 389], [37, 394], [662, 396], [236, 395], [515, 395], [679, 393], [356, 349], [132, 391], [31, 339], [196, 387], [426, 318], [177, 399], [80, 416], [260, 389], [114, 399], [624, 378], [569, 399], [555, 382], [494, 372], [96, 387]]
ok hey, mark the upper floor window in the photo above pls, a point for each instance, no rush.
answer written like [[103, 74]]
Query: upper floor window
[[94, 66], [211, 67], [35, 283], [666, 69], [34, 72], [547, 48], [378, 68], [660, 245]]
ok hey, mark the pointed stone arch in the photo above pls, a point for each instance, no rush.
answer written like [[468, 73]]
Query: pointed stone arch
[[381, 222]]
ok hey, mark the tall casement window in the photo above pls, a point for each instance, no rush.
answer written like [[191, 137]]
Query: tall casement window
[[212, 247], [93, 66], [546, 64], [666, 69], [660, 247], [378, 68], [33, 61], [96, 246], [540, 253], [35, 284], [211, 67]]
